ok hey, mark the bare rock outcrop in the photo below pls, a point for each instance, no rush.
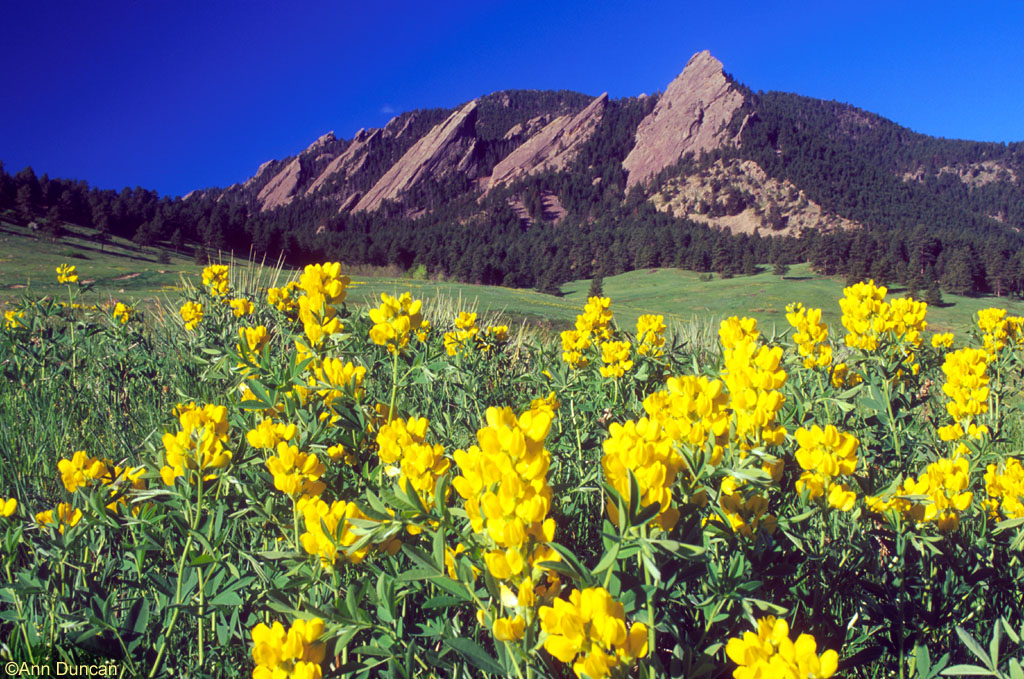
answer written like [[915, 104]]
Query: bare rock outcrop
[[554, 147], [739, 195], [349, 161], [450, 146], [281, 188], [691, 116]]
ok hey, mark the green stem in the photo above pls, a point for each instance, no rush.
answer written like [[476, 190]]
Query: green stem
[[21, 616], [650, 609], [177, 590]]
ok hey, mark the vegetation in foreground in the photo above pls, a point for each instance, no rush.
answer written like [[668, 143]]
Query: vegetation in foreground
[[276, 482]]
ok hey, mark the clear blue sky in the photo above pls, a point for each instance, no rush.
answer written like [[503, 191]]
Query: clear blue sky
[[174, 95]]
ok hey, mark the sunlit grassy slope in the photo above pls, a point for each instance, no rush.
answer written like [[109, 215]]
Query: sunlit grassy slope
[[123, 271]]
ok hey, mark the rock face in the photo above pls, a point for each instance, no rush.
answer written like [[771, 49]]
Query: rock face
[[283, 186], [350, 160], [692, 115], [554, 147], [281, 189], [449, 147]]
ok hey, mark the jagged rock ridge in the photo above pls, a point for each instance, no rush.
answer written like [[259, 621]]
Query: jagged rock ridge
[[449, 147], [692, 116], [553, 147]]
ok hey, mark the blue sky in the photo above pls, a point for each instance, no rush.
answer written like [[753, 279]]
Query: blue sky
[[177, 95]]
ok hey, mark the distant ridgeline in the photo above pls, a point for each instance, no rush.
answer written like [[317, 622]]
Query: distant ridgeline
[[532, 188]]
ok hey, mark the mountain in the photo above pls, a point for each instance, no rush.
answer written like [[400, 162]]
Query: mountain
[[548, 186]]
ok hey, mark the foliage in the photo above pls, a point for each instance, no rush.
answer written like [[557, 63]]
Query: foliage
[[293, 484]]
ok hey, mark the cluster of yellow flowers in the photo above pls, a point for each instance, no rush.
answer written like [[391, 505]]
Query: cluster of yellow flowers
[[967, 388], [869, 320], [215, 279], [395, 320], [467, 335], [811, 336], [1005, 489], [330, 527], [66, 274], [998, 329], [192, 314], [646, 449], [746, 512], [198, 446], [771, 653], [589, 631], [944, 482], [825, 454], [593, 323], [753, 379], [420, 464], [241, 307], [689, 412], [252, 341], [323, 287], [465, 332], [294, 654], [615, 356], [13, 319], [123, 313], [296, 473], [63, 516], [82, 471], [942, 340], [650, 335], [504, 484], [867, 316], [283, 299], [336, 379], [268, 434]]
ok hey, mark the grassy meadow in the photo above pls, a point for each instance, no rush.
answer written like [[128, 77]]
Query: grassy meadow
[[123, 271]]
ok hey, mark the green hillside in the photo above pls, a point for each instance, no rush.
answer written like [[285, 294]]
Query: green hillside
[[123, 271]]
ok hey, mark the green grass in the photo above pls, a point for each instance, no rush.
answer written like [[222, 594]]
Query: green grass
[[118, 270], [123, 271]]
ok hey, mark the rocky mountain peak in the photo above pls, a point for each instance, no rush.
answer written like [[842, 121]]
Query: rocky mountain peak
[[692, 116]]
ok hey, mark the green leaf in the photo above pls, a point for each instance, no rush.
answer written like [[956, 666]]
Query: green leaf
[[421, 558], [993, 648], [608, 560], [974, 647], [922, 661], [1007, 525], [475, 655], [968, 670], [227, 598]]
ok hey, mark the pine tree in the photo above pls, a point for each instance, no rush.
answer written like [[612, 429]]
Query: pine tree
[[596, 286]]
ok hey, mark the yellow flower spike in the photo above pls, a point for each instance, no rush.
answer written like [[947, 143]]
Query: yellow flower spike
[[241, 307], [589, 631], [288, 653], [192, 314], [66, 274], [393, 321], [215, 278], [63, 516], [509, 629]]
